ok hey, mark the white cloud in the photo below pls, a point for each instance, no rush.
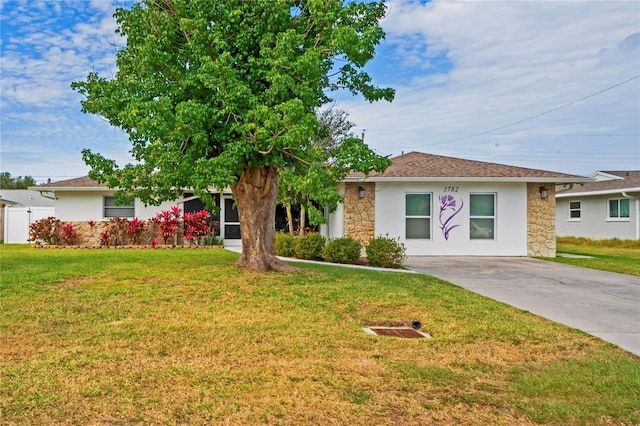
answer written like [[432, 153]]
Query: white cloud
[[104, 6], [45, 46], [509, 61], [42, 60], [504, 61]]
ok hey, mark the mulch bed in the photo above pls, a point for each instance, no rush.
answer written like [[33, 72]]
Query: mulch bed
[[135, 247]]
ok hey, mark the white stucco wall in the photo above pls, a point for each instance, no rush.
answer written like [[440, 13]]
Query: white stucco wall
[[594, 221], [334, 228], [82, 206], [148, 212], [79, 206], [511, 219]]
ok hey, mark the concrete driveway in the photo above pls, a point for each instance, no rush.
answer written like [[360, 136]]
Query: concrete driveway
[[603, 304]]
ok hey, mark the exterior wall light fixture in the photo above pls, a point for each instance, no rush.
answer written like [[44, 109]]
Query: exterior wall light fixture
[[544, 193], [361, 191]]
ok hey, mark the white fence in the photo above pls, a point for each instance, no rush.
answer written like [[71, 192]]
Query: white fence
[[18, 219]]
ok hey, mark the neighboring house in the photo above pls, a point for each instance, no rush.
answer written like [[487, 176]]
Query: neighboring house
[[607, 207], [435, 205], [19, 208]]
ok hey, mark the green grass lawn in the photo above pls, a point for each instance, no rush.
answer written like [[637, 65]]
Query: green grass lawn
[[613, 255], [136, 337]]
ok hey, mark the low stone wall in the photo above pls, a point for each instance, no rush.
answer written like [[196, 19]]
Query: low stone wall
[[89, 235], [359, 213], [541, 221], [130, 247]]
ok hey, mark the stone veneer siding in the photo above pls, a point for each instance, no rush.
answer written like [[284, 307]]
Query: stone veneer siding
[[541, 221], [359, 213]]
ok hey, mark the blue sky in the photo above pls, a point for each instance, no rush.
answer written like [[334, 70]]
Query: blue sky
[[460, 70]]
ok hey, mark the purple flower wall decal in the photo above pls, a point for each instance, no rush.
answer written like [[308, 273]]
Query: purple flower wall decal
[[448, 211]]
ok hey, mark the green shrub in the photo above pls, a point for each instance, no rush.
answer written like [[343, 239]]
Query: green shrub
[[285, 244], [309, 246], [212, 240], [385, 252], [342, 250]]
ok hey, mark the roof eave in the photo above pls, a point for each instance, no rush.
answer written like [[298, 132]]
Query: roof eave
[[563, 194], [70, 188], [605, 174], [98, 188], [537, 179]]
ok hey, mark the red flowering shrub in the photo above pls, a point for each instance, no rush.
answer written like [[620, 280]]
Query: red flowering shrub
[[197, 225], [135, 229], [150, 233], [46, 230], [115, 233], [104, 238], [169, 221], [69, 233]]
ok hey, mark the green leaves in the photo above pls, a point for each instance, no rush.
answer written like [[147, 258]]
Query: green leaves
[[206, 88], [333, 154]]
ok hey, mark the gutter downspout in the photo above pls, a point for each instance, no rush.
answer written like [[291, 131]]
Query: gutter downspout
[[637, 203], [571, 185], [45, 194]]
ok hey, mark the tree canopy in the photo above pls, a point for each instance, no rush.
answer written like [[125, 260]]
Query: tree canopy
[[224, 93], [334, 152], [8, 182]]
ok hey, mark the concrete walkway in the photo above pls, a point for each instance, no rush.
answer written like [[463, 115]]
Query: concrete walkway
[[603, 304]]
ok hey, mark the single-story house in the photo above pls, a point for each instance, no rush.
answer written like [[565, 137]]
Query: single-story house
[[435, 205], [82, 199], [449, 206], [606, 207], [19, 208]]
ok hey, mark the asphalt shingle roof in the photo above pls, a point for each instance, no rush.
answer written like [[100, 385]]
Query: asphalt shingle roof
[[81, 182], [407, 166], [421, 165], [630, 179], [24, 197]]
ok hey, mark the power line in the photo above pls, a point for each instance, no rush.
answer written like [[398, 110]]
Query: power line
[[422, 131], [537, 115]]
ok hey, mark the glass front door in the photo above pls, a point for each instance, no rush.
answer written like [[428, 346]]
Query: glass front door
[[231, 224]]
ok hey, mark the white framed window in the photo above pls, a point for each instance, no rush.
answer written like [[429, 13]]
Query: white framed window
[[482, 216], [417, 209], [575, 211], [111, 210], [618, 209]]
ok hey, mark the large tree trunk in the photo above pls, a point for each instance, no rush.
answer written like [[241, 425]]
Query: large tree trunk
[[256, 195]]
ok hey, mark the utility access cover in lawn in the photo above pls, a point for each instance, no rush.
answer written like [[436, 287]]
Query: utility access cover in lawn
[[404, 332]]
